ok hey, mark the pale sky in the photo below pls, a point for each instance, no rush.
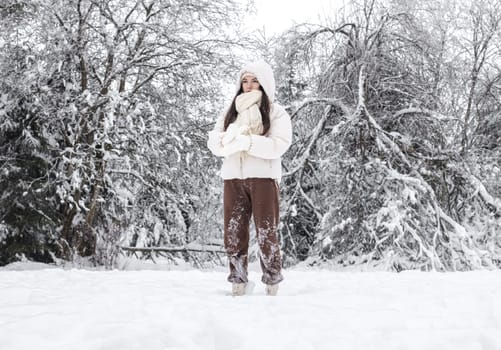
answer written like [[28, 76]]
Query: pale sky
[[278, 15]]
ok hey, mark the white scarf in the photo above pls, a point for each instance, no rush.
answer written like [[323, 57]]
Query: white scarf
[[249, 117]]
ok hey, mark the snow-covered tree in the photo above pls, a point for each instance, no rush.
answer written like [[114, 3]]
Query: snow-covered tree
[[377, 173], [98, 99]]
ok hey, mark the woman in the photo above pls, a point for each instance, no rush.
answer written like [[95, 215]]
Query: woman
[[252, 136]]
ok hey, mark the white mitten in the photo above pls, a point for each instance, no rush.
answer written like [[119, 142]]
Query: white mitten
[[231, 132], [240, 143]]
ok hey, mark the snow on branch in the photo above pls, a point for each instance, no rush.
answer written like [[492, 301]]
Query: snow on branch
[[315, 135], [322, 101], [434, 114], [484, 194]]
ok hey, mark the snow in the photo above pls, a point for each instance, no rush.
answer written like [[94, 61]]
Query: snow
[[54, 308]]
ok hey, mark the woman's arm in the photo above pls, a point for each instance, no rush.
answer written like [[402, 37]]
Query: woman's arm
[[215, 137], [278, 140]]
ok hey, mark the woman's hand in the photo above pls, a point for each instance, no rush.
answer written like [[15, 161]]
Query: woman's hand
[[240, 143], [232, 132]]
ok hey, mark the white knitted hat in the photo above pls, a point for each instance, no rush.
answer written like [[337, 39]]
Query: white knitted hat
[[264, 75]]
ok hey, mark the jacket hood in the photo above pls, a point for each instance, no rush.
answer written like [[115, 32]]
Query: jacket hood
[[264, 75]]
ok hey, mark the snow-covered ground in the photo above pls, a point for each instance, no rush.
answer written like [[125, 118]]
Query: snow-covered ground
[[191, 309]]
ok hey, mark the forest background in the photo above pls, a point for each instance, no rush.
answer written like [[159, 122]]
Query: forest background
[[105, 108]]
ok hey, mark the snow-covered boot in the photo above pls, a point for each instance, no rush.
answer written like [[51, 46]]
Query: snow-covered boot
[[238, 289], [272, 289]]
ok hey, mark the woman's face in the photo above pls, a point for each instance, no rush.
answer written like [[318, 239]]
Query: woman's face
[[249, 83]]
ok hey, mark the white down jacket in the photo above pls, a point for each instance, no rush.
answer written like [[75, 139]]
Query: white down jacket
[[263, 159]]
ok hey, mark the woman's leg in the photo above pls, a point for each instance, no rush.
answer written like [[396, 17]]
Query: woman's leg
[[265, 208], [237, 212]]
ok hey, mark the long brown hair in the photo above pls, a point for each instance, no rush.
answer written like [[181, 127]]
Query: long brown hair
[[264, 108]]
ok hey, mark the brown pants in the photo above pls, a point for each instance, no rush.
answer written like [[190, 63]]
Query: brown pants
[[258, 197]]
